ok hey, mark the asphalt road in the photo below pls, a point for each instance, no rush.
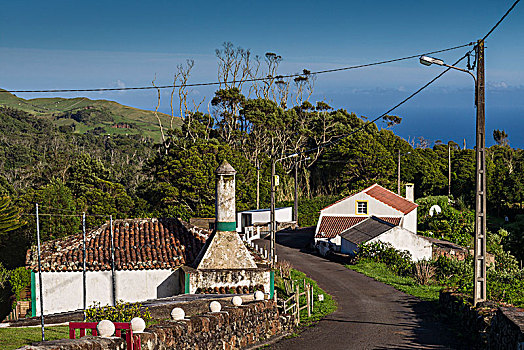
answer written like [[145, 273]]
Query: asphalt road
[[370, 314]]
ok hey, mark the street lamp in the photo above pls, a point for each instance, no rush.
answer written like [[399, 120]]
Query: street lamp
[[428, 61], [479, 287], [398, 170], [295, 204], [272, 226]]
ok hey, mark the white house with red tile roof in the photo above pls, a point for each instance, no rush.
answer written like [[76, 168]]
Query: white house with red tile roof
[[352, 210], [147, 256]]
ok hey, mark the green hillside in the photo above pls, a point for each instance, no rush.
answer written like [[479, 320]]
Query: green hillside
[[82, 115]]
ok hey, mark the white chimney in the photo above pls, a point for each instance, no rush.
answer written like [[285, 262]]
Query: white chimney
[[410, 192]]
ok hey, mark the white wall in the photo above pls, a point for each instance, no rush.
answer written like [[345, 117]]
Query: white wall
[[410, 221], [347, 207], [62, 291], [402, 239], [262, 216]]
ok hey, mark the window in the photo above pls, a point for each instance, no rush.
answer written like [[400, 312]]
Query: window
[[362, 207]]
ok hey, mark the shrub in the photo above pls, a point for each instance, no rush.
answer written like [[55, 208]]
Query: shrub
[[19, 278], [121, 312], [396, 260], [423, 272]]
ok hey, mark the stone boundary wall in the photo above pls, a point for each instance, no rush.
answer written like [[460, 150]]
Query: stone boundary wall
[[231, 328], [490, 326]]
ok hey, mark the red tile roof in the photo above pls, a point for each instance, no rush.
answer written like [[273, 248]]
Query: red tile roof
[[392, 199], [385, 196], [139, 244], [331, 226]]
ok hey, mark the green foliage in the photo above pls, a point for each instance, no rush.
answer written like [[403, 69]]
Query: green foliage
[[19, 278], [183, 182], [5, 292], [121, 312], [9, 216], [514, 241], [505, 280], [454, 273], [309, 209], [397, 261], [452, 225], [407, 284]]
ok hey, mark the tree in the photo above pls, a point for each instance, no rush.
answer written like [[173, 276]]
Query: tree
[[9, 216], [500, 137]]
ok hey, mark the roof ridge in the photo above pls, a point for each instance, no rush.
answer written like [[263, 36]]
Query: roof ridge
[[349, 195]]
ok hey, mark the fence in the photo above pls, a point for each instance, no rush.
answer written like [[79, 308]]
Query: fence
[[292, 303]]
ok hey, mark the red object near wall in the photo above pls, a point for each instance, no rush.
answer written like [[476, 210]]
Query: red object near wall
[[133, 341]]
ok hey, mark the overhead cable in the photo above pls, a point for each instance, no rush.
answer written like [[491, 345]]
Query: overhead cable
[[246, 80]]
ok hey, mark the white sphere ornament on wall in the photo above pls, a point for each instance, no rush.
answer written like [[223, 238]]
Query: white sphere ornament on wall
[[259, 295], [215, 306], [237, 301], [105, 328], [138, 325], [178, 313]]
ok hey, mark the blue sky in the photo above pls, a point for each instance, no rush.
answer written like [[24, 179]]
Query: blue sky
[[91, 44]]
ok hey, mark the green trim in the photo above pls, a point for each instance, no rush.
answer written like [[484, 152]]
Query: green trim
[[186, 283], [271, 284], [226, 226], [33, 294]]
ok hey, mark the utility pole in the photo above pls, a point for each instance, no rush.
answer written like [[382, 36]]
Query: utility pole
[[449, 170], [398, 174], [295, 207], [84, 258], [258, 184], [40, 282], [272, 225], [479, 287]]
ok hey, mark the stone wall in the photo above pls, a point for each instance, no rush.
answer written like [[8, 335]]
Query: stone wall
[[217, 281], [488, 325], [231, 328], [507, 329]]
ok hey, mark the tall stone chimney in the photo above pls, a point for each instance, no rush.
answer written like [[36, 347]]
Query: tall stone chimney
[[224, 249], [225, 198], [410, 192]]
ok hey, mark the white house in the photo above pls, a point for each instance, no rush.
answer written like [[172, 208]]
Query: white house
[[372, 201], [147, 255], [251, 222], [373, 230]]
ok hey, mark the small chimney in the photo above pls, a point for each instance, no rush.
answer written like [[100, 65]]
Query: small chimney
[[410, 192]]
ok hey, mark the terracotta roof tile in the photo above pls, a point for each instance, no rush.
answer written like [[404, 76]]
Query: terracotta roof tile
[[385, 196], [331, 226], [139, 244], [392, 199]]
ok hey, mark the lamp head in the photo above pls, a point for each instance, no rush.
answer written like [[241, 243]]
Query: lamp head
[[428, 61]]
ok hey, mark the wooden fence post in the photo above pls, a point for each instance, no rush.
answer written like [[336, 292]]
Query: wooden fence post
[[312, 299], [297, 301], [308, 300]]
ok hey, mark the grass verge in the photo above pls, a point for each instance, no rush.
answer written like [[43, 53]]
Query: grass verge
[[408, 285], [14, 338]]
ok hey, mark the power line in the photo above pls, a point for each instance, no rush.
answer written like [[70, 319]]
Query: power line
[[248, 80], [415, 93], [382, 115], [500, 20]]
